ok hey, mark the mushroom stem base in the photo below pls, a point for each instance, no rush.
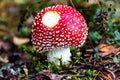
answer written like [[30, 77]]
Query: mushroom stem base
[[59, 55]]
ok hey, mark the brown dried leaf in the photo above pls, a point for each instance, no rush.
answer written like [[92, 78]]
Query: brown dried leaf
[[4, 59], [54, 76], [19, 41], [105, 49], [5, 45]]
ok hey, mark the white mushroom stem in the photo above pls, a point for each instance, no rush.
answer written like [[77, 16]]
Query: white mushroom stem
[[61, 53]]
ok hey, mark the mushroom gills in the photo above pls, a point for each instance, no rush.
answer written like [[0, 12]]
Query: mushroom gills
[[59, 55]]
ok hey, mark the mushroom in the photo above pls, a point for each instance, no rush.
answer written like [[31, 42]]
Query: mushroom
[[56, 29]]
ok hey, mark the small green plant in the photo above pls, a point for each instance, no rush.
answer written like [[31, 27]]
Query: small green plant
[[96, 55], [36, 63], [95, 36], [54, 67], [26, 31], [77, 58], [117, 35], [87, 75], [116, 60], [59, 69], [39, 66], [104, 27]]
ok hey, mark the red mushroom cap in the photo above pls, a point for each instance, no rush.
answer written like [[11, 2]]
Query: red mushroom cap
[[58, 26]]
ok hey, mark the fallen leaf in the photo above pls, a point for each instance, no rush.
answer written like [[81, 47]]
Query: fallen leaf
[[5, 45], [19, 41], [26, 71], [4, 60], [54, 76], [105, 49]]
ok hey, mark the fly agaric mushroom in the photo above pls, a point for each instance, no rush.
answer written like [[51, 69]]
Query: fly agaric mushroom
[[56, 29]]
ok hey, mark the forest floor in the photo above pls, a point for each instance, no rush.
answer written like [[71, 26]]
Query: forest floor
[[97, 59]]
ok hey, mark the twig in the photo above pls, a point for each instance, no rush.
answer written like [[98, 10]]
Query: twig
[[72, 4]]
